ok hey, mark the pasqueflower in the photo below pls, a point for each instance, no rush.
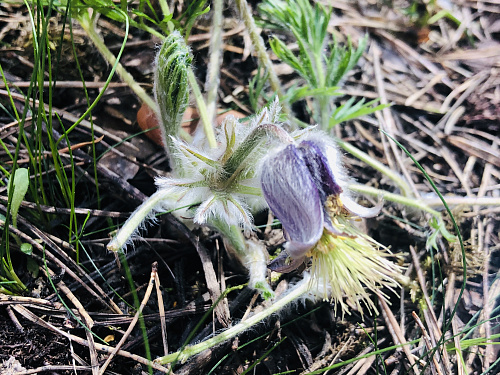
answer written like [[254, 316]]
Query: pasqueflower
[[306, 187], [219, 186]]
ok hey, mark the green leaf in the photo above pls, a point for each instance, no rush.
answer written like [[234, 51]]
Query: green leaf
[[27, 248], [287, 56], [32, 266], [107, 8], [342, 60], [309, 26], [439, 227], [144, 15], [349, 110], [20, 185], [193, 11], [256, 87], [295, 94]]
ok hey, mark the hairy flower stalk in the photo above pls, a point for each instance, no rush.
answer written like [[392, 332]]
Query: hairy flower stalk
[[306, 188], [297, 292]]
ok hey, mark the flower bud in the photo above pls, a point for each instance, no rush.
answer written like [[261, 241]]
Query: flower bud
[[171, 85]]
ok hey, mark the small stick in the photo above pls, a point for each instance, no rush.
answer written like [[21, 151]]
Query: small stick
[[387, 121], [68, 293], [428, 344], [161, 307], [456, 339], [432, 321], [59, 263], [14, 319], [71, 118], [154, 269], [340, 351], [222, 309], [391, 321], [260, 49], [67, 211], [51, 368], [483, 248], [100, 347], [89, 322], [20, 300]]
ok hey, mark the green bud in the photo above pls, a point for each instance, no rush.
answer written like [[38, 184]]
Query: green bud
[[171, 84]]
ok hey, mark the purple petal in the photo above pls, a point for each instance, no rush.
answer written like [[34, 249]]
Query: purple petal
[[319, 167], [317, 163], [294, 198]]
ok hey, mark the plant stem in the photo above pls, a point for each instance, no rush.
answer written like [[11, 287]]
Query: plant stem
[[395, 177], [323, 101], [6, 291], [202, 108], [89, 28], [260, 49], [295, 293], [252, 254], [137, 218], [396, 198], [212, 84], [465, 201]]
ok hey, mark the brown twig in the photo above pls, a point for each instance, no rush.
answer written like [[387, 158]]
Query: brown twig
[[52, 368], [58, 262], [102, 348], [432, 321], [387, 122], [67, 211], [222, 309], [427, 340], [161, 308], [89, 322], [20, 300], [398, 335], [62, 265], [70, 117], [147, 294], [14, 319]]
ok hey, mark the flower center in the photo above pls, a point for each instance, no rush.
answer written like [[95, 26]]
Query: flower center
[[334, 206], [326, 244]]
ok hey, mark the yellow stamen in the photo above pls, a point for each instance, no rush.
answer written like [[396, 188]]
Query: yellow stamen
[[334, 206]]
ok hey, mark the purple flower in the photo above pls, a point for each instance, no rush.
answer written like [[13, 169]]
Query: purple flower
[[305, 186], [302, 184]]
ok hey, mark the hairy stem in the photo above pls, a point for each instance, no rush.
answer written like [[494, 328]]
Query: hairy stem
[[295, 293], [212, 84], [202, 108], [111, 59], [252, 254], [260, 49], [136, 219], [396, 198], [395, 177]]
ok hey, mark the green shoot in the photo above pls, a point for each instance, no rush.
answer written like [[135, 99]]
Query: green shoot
[[17, 188], [322, 72]]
